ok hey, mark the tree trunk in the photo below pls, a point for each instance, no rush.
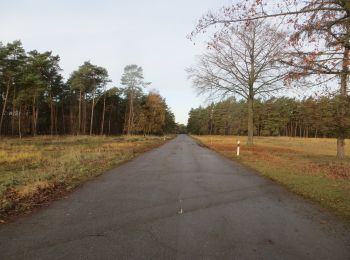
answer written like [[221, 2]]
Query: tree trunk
[[33, 117], [92, 111], [19, 122], [71, 128], [63, 123], [36, 119], [92, 115], [130, 116], [109, 121], [79, 119], [55, 119], [250, 121], [13, 111], [103, 114], [51, 116], [345, 74], [5, 103], [343, 94], [84, 114]]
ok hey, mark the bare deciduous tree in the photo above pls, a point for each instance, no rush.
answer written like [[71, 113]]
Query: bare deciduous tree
[[242, 61], [320, 36]]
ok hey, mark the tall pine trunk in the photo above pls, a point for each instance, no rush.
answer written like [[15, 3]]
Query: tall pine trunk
[[130, 116], [84, 113], [103, 114], [92, 115], [109, 121], [92, 110], [72, 125], [51, 116], [55, 119], [13, 112], [79, 115], [19, 122], [33, 116], [63, 123], [5, 103]]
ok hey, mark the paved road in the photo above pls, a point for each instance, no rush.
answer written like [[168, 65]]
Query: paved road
[[180, 201]]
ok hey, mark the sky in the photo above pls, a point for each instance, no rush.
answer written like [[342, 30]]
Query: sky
[[113, 34]]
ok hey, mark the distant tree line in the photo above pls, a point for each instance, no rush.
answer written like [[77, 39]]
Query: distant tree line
[[283, 116], [35, 99]]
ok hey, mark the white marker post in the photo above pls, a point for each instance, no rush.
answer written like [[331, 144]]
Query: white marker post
[[238, 143]]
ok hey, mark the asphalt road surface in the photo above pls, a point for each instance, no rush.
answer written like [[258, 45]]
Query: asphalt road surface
[[180, 201]]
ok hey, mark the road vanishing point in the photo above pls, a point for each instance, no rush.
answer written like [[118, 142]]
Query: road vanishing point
[[179, 201]]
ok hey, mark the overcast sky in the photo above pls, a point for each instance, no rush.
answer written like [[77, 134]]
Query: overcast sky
[[113, 34]]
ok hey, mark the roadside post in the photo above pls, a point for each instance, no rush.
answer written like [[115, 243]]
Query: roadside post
[[238, 143]]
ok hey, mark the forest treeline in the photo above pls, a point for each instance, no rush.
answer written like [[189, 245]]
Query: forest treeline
[[35, 98], [309, 117]]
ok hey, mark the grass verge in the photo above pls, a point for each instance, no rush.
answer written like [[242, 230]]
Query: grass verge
[[307, 167], [34, 171]]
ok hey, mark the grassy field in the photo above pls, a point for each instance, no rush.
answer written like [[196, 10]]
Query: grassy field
[[34, 171], [305, 166]]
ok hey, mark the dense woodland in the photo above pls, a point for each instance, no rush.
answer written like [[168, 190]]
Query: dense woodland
[[35, 98], [283, 116]]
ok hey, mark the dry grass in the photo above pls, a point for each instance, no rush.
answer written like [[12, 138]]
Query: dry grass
[[36, 170], [305, 166]]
